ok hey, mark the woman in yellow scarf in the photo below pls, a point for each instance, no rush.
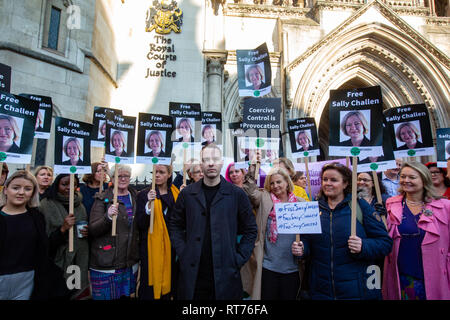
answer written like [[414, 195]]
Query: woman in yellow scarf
[[158, 264]]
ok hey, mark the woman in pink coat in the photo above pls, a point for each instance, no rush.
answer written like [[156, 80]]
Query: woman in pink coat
[[418, 221]]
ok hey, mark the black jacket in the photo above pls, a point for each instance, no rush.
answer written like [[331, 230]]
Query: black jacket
[[348, 143], [230, 215], [48, 278]]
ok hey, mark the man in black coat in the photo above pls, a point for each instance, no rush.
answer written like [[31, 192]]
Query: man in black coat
[[203, 227]]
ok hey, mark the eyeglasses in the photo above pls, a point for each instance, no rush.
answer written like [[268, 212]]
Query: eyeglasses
[[124, 177], [434, 173]]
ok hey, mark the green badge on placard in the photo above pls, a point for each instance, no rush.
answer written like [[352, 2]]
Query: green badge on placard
[[411, 152], [73, 169], [306, 153], [185, 145], [3, 156], [256, 93], [117, 159], [355, 151], [373, 166], [259, 142], [155, 160]]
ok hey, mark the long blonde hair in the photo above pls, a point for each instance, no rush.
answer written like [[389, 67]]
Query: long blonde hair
[[282, 172], [34, 200], [429, 193]]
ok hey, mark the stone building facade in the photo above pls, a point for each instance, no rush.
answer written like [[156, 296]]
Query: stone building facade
[[104, 56]]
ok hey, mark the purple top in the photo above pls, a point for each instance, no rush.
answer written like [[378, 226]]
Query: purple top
[[410, 254]]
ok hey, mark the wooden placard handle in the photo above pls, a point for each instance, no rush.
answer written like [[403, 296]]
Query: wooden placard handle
[[103, 175], [378, 192], [258, 165], [184, 168], [152, 205], [71, 201], [308, 180], [347, 162], [354, 195], [297, 238], [116, 186]]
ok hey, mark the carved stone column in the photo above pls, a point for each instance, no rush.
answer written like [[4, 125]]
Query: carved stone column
[[215, 60]]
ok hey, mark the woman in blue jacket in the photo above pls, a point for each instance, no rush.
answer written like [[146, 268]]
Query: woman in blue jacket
[[341, 265]]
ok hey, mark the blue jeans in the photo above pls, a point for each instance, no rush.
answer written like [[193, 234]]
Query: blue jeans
[[17, 286]]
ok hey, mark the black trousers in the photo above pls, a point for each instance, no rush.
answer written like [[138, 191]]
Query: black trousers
[[279, 286]]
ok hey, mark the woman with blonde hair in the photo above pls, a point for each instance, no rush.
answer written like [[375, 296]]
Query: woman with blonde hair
[[277, 274], [254, 74], [158, 260], [23, 241], [185, 130], [418, 221], [72, 149], [9, 134], [119, 144], [409, 134], [287, 164], [44, 177], [355, 125], [155, 143]]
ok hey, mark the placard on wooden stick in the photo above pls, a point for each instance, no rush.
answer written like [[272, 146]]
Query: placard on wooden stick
[[354, 195], [71, 202], [116, 186], [378, 193]]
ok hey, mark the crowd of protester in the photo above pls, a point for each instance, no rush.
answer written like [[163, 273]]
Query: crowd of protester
[[207, 237]]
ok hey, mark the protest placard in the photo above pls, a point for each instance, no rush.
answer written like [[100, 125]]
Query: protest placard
[[44, 116], [17, 122], [99, 125], [211, 128], [154, 143], [72, 146], [303, 137], [356, 122], [298, 217], [120, 132], [5, 78], [443, 146], [410, 130], [254, 72]]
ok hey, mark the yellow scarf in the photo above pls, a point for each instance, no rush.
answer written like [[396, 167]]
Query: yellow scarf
[[159, 251]]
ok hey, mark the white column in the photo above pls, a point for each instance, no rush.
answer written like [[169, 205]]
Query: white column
[[215, 61]]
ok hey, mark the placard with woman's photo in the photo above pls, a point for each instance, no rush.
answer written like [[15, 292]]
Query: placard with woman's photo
[[72, 146], [443, 146], [154, 139], [211, 128], [44, 117], [356, 121], [254, 72], [17, 122], [303, 137], [99, 125], [410, 130], [120, 133]]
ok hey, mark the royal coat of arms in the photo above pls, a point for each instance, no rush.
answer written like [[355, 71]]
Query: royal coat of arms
[[164, 16]]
